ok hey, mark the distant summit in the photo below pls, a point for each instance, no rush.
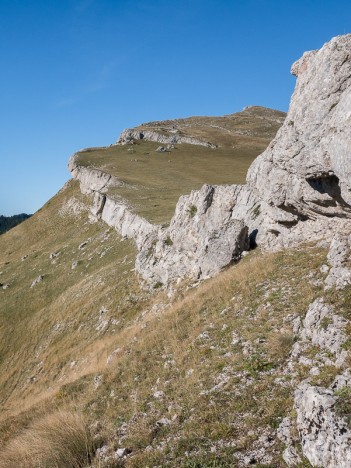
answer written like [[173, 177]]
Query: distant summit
[[8, 222]]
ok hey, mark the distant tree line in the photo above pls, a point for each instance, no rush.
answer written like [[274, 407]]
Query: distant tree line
[[8, 222]]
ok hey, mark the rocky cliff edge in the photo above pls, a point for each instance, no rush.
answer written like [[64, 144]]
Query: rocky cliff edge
[[297, 190]]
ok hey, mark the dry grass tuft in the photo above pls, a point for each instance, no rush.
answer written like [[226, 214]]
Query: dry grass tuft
[[60, 439]]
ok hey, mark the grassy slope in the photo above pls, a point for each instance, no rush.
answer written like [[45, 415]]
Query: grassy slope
[[153, 181], [54, 346], [45, 327]]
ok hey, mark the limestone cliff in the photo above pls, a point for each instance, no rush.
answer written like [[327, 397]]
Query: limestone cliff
[[129, 135], [302, 180]]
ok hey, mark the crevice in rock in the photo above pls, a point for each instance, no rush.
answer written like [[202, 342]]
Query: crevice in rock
[[252, 239], [328, 184]]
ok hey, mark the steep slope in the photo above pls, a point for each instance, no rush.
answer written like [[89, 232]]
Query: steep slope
[[70, 297], [152, 375], [64, 281], [205, 378]]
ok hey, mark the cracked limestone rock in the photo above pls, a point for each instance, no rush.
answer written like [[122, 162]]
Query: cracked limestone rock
[[284, 433], [324, 328], [324, 434], [325, 437], [201, 240], [302, 180], [339, 257], [91, 179], [131, 134]]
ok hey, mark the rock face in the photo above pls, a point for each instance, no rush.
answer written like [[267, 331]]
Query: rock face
[[91, 180], [201, 239], [130, 134], [324, 328], [119, 216], [303, 179]]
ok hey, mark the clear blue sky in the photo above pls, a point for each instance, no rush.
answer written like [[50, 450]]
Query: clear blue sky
[[74, 73]]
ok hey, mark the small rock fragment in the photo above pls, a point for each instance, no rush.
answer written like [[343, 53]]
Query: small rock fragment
[[163, 422], [54, 255], [37, 280], [121, 452]]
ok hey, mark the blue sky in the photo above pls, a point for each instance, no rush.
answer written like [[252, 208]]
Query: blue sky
[[75, 73]]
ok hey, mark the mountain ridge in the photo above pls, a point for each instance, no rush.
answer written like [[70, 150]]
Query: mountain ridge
[[213, 364]]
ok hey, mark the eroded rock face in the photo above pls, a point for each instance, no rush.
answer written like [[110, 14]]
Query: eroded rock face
[[201, 240], [303, 178], [91, 179], [324, 328], [131, 134]]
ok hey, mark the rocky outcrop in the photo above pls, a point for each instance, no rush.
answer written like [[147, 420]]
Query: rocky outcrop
[[201, 240], [323, 430], [117, 214], [339, 257], [297, 190], [131, 134], [303, 178], [203, 237], [285, 434], [326, 329], [91, 179], [325, 436]]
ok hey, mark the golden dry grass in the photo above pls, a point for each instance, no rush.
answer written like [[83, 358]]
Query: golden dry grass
[[59, 440], [164, 351]]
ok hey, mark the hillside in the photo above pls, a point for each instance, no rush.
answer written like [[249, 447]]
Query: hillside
[[8, 222], [146, 326], [146, 370]]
